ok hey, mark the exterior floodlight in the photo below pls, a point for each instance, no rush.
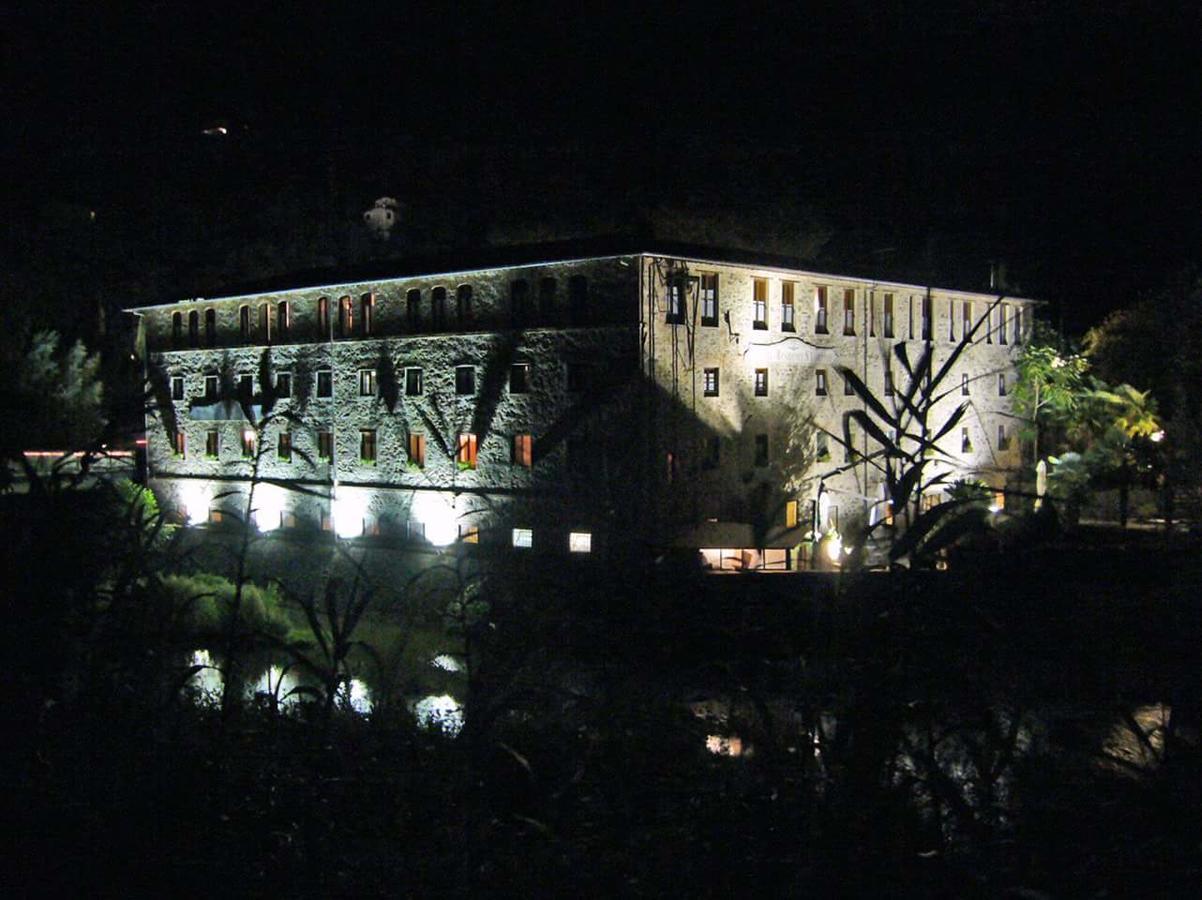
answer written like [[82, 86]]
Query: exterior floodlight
[[1157, 437], [194, 503], [437, 517], [269, 506], [347, 512], [834, 549]]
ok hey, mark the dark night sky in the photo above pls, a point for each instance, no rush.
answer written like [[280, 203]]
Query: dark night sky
[[1061, 137]]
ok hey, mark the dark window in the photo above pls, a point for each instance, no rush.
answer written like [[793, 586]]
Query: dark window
[[787, 292], [177, 329], [888, 383], [1003, 309], [465, 380], [212, 443], [965, 441], [325, 445], [578, 300], [761, 450], [849, 311], [711, 383], [438, 307], [820, 382], [283, 318], [677, 312], [926, 317], [177, 387], [709, 300], [546, 300], [523, 450], [1018, 325], [244, 322], [951, 320], [413, 382], [1001, 384], [887, 324], [519, 378], [210, 387], [367, 445], [323, 316], [325, 383], [761, 382], [283, 384], [417, 450], [367, 382], [265, 329], [713, 453], [519, 303], [367, 306], [346, 317], [759, 300], [821, 310], [210, 328], [463, 304], [194, 327], [246, 386], [413, 309], [284, 447], [966, 320], [989, 326]]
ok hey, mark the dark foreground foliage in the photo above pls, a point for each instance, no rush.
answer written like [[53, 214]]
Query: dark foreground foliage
[[976, 733]]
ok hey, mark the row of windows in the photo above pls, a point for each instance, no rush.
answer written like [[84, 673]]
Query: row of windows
[[579, 378], [272, 322], [711, 383], [1000, 323]]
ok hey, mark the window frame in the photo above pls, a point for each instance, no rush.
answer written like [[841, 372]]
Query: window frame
[[414, 381], [707, 389], [367, 383], [759, 304], [326, 375], [761, 382], [709, 299], [821, 386], [465, 381]]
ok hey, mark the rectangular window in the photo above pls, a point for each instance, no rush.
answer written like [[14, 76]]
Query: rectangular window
[[177, 330], [177, 387], [966, 320], [820, 382], [249, 443], [323, 316], [265, 329], [965, 441], [951, 319], [761, 450], [284, 446], [210, 387], [713, 453], [887, 323], [580, 542], [413, 382], [463, 304], [523, 537], [465, 380], [465, 454], [791, 514], [283, 319], [1001, 384], [871, 313], [1003, 310], [787, 292], [367, 446], [325, 445], [413, 309], [417, 450], [519, 378], [179, 445], [212, 443], [709, 300], [759, 297], [325, 383], [367, 382], [989, 326], [346, 317], [523, 450], [244, 323], [964, 385], [246, 386], [677, 312], [888, 382], [283, 384], [926, 317], [761, 382], [820, 310], [1018, 325], [210, 328], [1003, 439], [849, 311], [710, 382], [367, 307]]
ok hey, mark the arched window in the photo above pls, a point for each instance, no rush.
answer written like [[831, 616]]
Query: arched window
[[193, 328], [283, 319], [265, 322], [244, 322], [438, 307], [367, 304], [346, 317], [546, 300], [177, 329], [413, 310], [323, 316], [463, 304], [210, 327]]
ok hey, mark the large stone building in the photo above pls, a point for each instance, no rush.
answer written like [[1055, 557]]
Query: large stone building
[[568, 402]]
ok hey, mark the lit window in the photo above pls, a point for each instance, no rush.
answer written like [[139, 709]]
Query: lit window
[[438, 307], [523, 450], [210, 328], [179, 445], [469, 534], [964, 385], [820, 382], [519, 303], [759, 300], [787, 289], [578, 300], [887, 316], [417, 450], [463, 304], [244, 322], [249, 443], [710, 382], [849, 311], [465, 454], [677, 312], [212, 443], [367, 306], [367, 446], [283, 384], [413, 309], [323, 316], [580, 542], [177, 329], [465, 380], [413, 382], [523, 537], [709, 300], [888, 382], [761, 382], [791, 514], [325, 383], [210, 387], [346, 317], [965, 441], [820, 310], [325, 445], [761, 450], [1001, 384], [283, 318], [216, 516], [284, 447], [367, 382], [519, 378], [177, 387]]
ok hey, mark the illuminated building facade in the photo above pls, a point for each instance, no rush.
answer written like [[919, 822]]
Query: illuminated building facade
[[573, 403]]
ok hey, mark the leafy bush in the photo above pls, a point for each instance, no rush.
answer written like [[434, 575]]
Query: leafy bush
[[206, 602]]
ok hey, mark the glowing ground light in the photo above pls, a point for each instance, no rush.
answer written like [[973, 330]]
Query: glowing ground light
[[437, 517], [441, 712], [194, 503], [270, 502], [348, 511]]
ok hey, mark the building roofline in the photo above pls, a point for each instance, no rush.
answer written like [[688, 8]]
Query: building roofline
[[533, 255]]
